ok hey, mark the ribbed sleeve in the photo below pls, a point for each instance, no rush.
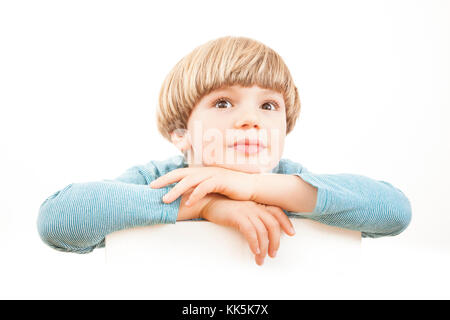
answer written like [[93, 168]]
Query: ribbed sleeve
[[374, 207], [78, 217]]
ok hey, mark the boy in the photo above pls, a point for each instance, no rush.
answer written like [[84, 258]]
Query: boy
[[228, 106]]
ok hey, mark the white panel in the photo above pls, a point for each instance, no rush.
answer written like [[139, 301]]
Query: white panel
[[202, 245]]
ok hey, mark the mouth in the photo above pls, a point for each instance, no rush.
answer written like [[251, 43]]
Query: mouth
[[248, 146]]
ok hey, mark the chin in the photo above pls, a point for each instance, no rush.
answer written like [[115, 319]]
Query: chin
[[246, 167], [260, 163]]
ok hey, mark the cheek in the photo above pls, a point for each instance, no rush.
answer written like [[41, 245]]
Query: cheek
[[276, 145], [207, 142], [277, 137], [213, 146]]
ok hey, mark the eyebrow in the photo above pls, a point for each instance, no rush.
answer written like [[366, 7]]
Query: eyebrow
[[265, 92], [229, 88]]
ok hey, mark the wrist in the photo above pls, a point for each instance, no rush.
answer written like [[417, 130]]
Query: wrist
[[211, 201], [287, 191], [208, 204], [185, 212], [197, 210], [259, 183]]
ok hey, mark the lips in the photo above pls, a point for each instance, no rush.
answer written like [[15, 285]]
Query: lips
[[248, 146], [249, 142]]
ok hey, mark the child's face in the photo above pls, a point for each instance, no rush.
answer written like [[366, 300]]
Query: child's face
[[227, 116]]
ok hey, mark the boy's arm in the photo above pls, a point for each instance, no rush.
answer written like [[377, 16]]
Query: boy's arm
[[78, 217], [286, 191], [351, 201]]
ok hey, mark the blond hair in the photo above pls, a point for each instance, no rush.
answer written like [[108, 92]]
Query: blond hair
[[225, 61]]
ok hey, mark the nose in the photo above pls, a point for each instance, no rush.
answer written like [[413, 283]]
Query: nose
[[247, 121]]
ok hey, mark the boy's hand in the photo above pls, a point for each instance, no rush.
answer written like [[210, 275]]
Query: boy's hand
[[233, 184], [260, 224]]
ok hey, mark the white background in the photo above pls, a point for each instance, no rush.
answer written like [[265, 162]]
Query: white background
[[79, 82]]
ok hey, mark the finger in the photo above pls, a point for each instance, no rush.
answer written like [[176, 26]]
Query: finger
[[203, 188], [283, 219], [262, 238], [182, 186], [248, 230], [274, 230], [171, 177]]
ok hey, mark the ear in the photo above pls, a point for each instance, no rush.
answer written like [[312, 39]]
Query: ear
[[180, 138]]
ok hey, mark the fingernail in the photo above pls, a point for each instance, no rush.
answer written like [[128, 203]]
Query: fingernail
[[187, 203], [292, 231], [258, 251], [274, 253]]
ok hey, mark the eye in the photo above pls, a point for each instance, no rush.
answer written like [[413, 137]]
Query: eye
[[222, 103], [272, 105]]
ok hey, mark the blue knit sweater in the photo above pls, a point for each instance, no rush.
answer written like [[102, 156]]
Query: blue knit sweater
[[78, 217]]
